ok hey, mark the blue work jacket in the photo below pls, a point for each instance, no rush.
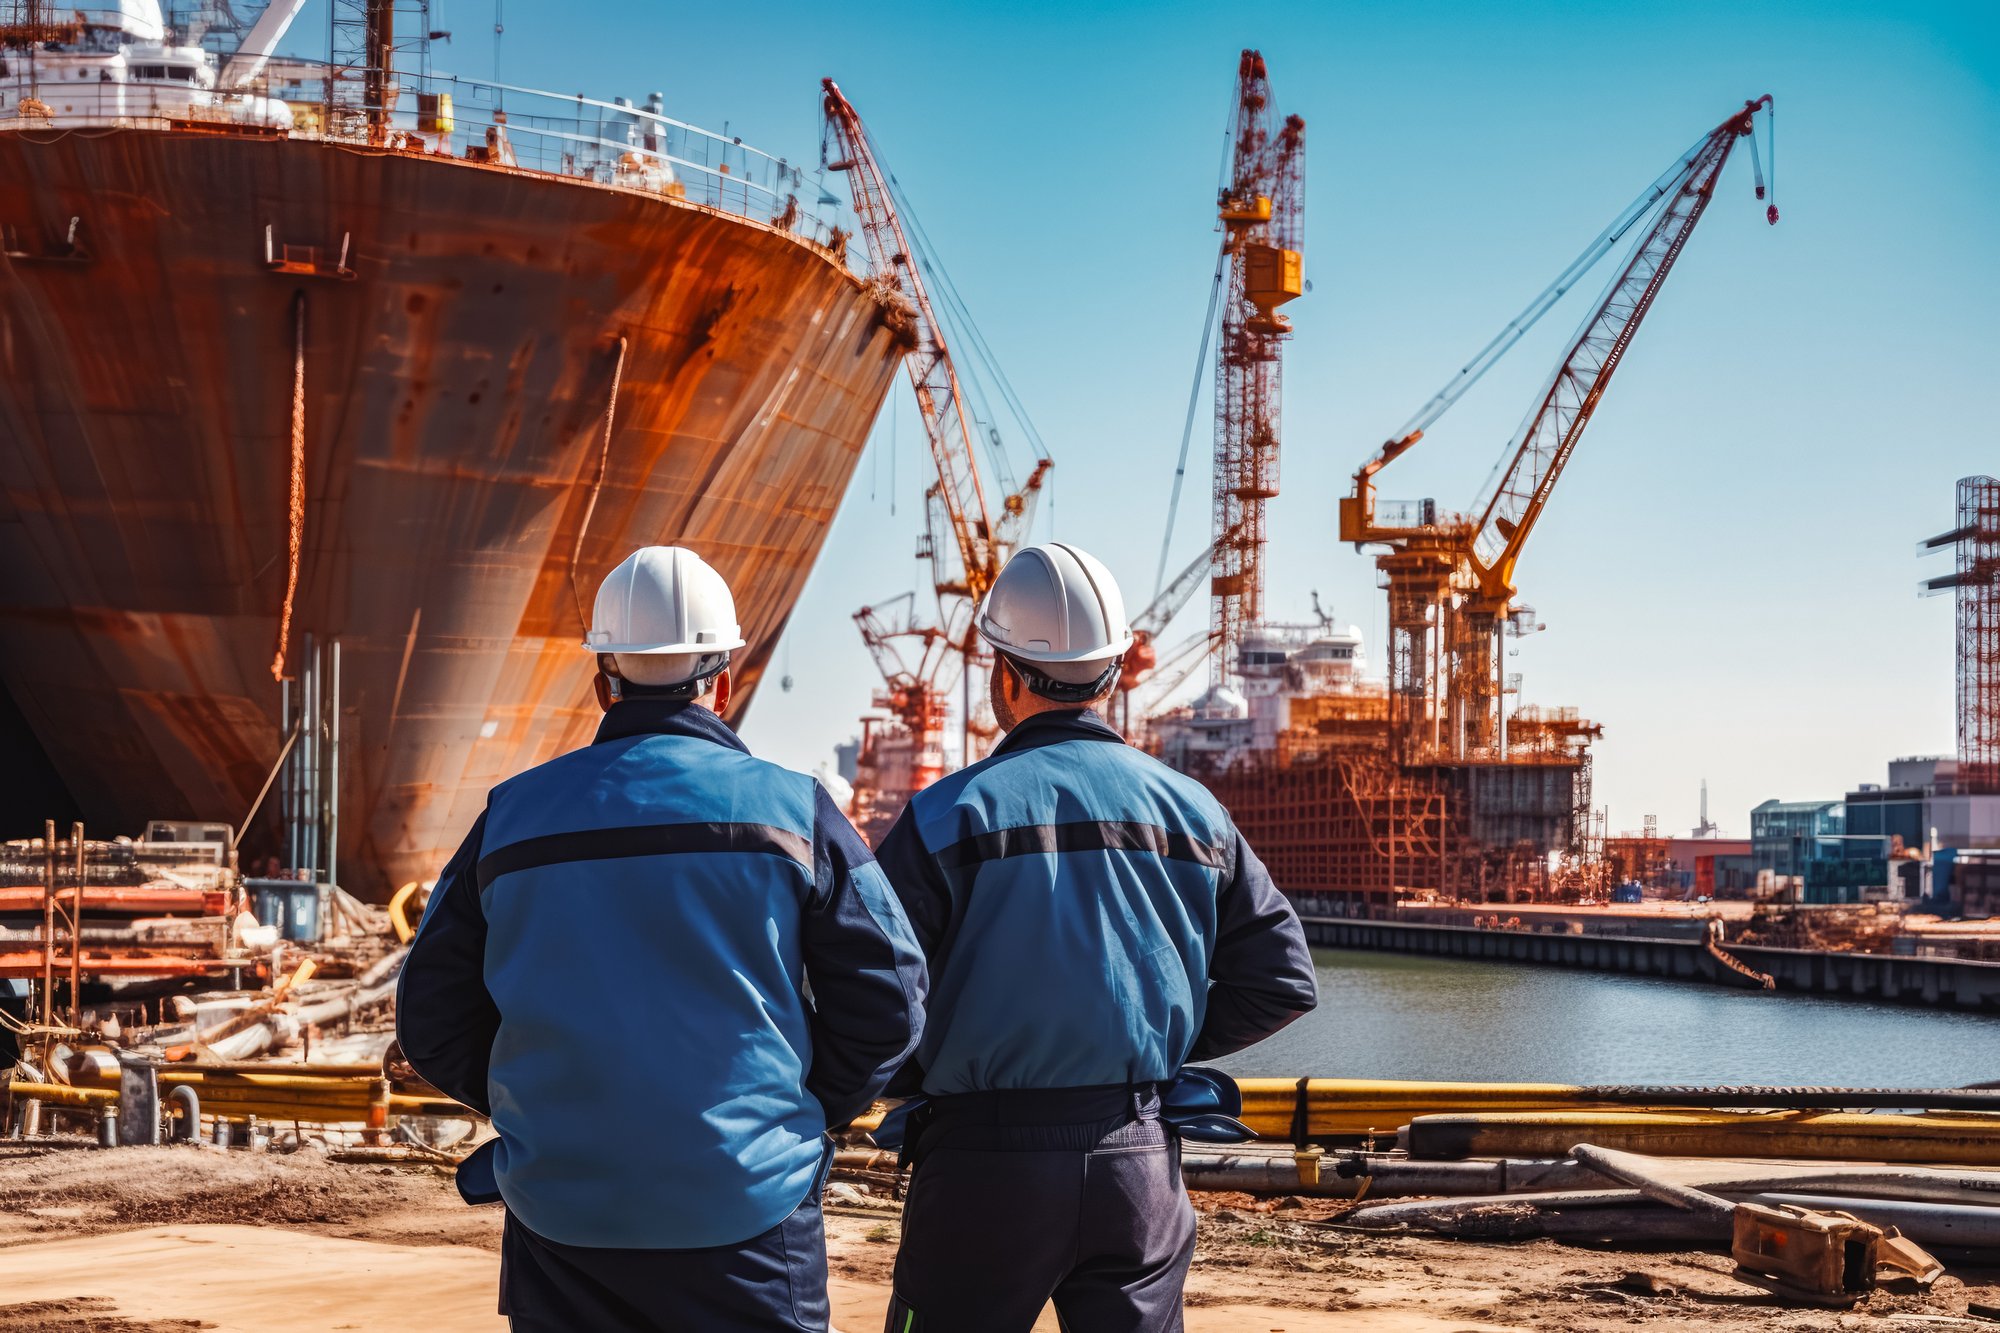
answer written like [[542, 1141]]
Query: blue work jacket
[[1090, 916], [664, 968]]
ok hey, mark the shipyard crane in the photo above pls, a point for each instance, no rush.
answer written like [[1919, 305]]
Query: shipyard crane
[[958, 516], [1450, 577], [913, 658], [982, 541], [1143, 658], [1261, 209]]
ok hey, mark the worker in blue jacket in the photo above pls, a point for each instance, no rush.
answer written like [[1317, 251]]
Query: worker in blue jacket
[[664, 968], [1093, 921]]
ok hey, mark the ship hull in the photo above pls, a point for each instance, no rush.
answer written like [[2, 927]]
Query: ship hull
[[462, 339], [1344, 830]]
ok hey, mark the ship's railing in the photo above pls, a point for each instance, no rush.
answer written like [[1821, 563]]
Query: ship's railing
[[608, 142], [582, 138]]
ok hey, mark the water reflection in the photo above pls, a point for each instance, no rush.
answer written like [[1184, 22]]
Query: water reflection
[[1390, 1016]]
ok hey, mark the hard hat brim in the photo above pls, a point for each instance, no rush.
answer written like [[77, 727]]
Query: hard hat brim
[[662, 649], [1102, 653]]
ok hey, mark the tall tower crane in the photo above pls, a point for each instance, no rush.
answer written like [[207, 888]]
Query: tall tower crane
[[958, 517], [1261, 207], [1451, 576]]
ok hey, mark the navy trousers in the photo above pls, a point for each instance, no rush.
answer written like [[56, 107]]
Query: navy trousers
[[1010, 1209], [770, 1283]]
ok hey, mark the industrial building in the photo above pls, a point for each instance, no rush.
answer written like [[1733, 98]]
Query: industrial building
[[1786, 835]]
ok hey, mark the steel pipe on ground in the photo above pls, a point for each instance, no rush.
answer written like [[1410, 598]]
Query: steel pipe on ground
[[1971, 1140], [1626, 1216], [1337, 1108]]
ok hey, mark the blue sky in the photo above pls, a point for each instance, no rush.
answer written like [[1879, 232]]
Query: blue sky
[[1727, 569]]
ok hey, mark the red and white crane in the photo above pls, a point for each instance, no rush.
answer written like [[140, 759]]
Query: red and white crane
[[1261, 207], [960, 519]]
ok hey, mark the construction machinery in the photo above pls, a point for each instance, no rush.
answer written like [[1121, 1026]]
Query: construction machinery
[[1261, 208], [1145, 664], [1450, 576], [902, 746], [1355, 793], [960, 522], [1975, 585], [1260, 211]]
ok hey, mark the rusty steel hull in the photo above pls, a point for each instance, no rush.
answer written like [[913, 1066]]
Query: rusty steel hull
[[456, 386]]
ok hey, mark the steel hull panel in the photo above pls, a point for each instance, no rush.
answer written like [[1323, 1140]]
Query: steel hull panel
[[455, 397]]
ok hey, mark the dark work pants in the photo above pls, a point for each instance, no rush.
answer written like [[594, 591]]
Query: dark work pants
[[776, 1281], [992, 1233]]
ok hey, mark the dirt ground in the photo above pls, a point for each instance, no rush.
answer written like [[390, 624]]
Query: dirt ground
[[161, 1240]]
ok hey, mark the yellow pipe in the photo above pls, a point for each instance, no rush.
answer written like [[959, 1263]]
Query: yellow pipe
[[61, 1094], [1963, 1139], [1352, 1106], [234, 1103], [286, 1096]]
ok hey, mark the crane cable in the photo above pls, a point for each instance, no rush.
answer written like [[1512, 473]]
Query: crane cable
[[1222, 167], [953, 309], [1187, 426]]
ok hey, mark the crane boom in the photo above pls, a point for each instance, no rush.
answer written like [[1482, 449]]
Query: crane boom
[[1142, 657], [940, 401], [1549, 436], [1174, 596], [1450, 576]]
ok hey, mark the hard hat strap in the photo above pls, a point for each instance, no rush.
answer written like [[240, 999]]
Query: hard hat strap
[[1062, 691]]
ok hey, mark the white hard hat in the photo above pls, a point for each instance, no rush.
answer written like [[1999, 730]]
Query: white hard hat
[[664, 599], [1058, 608]]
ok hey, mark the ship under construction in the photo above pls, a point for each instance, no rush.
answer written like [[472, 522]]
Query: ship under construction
[[1359, 790], [331, 389]]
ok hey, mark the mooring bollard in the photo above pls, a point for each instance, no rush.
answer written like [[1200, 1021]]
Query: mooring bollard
[[107, 1128], [221, 1133]]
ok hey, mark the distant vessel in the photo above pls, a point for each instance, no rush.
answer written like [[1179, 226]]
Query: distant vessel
[[385, 359]]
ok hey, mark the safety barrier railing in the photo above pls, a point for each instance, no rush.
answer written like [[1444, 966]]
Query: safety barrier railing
[[613, 143]]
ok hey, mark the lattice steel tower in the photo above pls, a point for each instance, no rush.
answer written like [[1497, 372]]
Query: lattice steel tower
[[1262, 212], [1975, 581]]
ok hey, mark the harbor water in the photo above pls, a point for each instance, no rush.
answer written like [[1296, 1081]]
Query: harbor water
[[1385, 1015]]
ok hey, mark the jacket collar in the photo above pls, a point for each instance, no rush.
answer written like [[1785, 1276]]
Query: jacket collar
[[1056, 726], [666, 717]]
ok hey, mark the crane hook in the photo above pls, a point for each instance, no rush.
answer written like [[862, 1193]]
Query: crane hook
[[1770, 106]]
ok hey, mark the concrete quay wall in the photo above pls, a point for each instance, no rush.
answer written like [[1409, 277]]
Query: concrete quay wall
[[1932, 981]]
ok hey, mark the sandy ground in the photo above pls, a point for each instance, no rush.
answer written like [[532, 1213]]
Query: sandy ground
[[170, 1239]]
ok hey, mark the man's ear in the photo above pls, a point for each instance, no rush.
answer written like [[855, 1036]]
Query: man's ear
[[721, 691], [605, 695]]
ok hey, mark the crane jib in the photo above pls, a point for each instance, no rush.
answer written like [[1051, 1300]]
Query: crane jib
[[1549, 435]]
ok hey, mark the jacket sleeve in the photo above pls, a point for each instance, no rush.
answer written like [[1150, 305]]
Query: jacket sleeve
[[918, 883], [1261, 973], [866, 972], [445, 1017]]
